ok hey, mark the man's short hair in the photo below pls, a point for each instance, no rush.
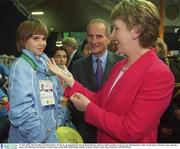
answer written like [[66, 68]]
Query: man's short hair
[[70, 41]]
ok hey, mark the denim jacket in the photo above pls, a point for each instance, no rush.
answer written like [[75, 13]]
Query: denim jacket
[[30, 123]]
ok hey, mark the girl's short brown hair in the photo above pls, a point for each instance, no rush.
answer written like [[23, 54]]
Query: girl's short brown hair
[[27, 29]]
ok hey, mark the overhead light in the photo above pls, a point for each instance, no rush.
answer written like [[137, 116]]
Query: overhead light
[[37, 13], [59, 43]]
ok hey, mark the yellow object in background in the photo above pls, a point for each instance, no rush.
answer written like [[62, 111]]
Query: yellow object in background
[[68, 135]]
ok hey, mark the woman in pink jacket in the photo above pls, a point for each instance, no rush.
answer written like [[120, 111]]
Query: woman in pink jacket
[[129, 105]]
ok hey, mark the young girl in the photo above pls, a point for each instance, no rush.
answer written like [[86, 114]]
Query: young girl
[[34, 114]]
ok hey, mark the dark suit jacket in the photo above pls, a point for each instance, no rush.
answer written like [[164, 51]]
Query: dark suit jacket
[[76, 56], [82, 71]]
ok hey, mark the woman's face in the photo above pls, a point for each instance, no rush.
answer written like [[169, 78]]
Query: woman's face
[[60, 57], [121, 35], [36, 44]]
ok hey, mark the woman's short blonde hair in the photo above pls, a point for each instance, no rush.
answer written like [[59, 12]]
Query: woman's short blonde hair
[[27, 29], [140, 13]]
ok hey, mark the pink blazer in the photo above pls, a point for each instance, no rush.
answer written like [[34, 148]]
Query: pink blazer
[[132, 111]]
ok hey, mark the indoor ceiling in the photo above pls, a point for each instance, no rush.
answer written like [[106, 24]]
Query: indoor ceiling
[[73, 15], [67, 15]]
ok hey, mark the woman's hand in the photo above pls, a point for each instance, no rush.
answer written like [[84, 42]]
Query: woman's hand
[[80, 101], [62, 72]]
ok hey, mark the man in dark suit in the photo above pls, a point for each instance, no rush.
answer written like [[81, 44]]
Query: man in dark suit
[[71, 46], [84, 70]]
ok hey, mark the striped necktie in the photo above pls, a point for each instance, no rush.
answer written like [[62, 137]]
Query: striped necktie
[[99, 73]]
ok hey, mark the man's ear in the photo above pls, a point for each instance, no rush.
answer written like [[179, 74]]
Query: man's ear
[[135, 32]]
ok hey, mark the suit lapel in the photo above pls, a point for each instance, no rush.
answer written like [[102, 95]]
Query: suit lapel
[[110, 62]]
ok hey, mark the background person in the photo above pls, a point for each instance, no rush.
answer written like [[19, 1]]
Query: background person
[[71, 46], [85, 70], [61, 56], [169, 130], [161, 48], [85, 48], [128, 114], [4, 103]]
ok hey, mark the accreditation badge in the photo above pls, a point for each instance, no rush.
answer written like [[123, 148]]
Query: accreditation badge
[[46, 94]]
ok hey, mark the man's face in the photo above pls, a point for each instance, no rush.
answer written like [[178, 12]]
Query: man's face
[[69, 49], [97, 38]]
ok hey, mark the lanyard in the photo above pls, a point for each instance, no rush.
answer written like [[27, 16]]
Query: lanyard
[[30, 61]]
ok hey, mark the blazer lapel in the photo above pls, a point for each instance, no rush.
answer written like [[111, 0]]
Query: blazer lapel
[[108, 66], [128, 79]]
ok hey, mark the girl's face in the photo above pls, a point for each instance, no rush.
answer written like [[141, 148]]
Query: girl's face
[[36, 44], [60, 57]]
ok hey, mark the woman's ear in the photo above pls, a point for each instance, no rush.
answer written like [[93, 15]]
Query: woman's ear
[[135, 32]]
